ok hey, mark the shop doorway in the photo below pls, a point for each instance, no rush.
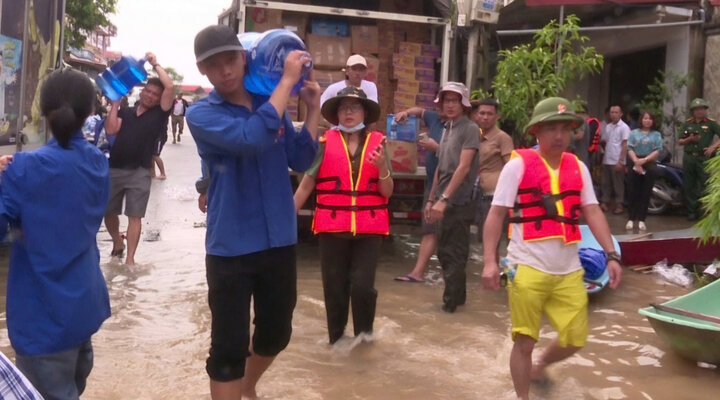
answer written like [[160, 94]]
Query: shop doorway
[[630, 75]]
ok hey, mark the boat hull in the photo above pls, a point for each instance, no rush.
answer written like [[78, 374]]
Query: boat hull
[[690, 324], [692, 343], [678, 247]]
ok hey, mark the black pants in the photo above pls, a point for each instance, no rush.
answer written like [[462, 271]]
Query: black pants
[[453, 250], [269, 278], [348, 274], [639, 192]]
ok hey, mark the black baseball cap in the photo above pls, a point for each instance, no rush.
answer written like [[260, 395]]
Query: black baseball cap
[[215, 39]]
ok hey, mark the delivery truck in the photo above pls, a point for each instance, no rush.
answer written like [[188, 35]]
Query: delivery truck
[[407, 55]]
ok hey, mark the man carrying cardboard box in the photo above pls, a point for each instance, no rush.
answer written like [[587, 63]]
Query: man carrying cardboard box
[[355, 71]]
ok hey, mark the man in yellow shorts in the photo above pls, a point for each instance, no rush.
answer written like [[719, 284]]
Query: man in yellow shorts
[[547, 189]]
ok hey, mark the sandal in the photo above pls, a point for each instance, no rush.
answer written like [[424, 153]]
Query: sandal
[[118, 252]]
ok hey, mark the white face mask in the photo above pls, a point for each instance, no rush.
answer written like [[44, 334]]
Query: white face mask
[[353, 129]]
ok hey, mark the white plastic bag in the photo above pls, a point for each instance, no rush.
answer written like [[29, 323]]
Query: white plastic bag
[[676, 274], [713, 269]]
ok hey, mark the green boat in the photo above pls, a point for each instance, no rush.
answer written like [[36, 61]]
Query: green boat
[[690, 324]]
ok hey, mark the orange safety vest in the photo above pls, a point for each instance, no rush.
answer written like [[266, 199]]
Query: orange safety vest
[[344, 205], [595, 141], [550, 204]]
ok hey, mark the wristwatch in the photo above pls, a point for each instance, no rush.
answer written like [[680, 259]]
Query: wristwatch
[[443, 197], [612, 255]]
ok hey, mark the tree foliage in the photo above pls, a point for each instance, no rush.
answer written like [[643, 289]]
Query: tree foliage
[[709, 226], [533, 71], [82, 16], [660, 100], [176, 77]]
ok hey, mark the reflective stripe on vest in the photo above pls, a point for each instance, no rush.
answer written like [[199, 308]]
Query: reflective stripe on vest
[[548, 205], [342, 204]]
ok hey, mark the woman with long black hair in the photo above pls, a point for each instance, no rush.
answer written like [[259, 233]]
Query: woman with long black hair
[[52, 200]]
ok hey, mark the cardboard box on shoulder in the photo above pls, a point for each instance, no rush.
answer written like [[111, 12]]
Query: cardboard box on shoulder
[[419, 49], [364, 39], [263, 19], [403, 155], [328, 51]]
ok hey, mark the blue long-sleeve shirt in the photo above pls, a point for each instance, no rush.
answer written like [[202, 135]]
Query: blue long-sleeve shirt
[[53, 200], [250, 204]]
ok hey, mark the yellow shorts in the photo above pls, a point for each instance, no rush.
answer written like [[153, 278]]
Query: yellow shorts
[[562, 298]]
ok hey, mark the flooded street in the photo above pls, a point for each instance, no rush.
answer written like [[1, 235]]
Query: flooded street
[[155, 344]]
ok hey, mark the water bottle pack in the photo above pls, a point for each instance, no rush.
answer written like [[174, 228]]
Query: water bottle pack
[[266, 54], [119, 79]]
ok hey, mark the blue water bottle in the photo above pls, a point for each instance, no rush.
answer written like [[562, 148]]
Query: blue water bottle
[[266, 59], [119, 79]]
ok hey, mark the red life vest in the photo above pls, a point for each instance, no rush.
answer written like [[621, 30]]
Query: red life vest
[[550, 204], [595, 141], [342, 204]]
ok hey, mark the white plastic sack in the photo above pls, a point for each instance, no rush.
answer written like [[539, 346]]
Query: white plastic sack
[[676, 274]]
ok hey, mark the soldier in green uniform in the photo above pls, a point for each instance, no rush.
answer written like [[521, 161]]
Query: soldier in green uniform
[[698, 134]]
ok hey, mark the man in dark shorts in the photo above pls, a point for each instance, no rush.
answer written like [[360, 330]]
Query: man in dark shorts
[[156, 155], [247, 142], [137, 131]]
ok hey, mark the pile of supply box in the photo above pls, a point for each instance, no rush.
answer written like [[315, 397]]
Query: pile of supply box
[[400, 61]]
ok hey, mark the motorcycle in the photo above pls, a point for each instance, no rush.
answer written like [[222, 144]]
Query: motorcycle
[[668, 189]]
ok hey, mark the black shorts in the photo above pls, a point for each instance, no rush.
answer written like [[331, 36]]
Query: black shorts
[[269, 277], [159, 146]]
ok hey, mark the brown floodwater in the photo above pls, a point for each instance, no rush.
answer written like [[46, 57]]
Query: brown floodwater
[[155, 344]]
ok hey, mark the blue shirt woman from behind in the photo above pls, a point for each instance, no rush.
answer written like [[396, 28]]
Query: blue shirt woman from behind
[[52, 201]]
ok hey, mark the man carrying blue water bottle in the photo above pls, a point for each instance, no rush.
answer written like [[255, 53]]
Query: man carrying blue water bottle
[[137, 130], [547, 189], [247, 142]]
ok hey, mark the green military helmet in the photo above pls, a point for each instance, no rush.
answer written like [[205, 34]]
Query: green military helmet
[[698, 102], [553, 109]]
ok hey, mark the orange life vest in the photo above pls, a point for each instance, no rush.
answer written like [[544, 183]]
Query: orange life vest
[[342, 204], [549, 204], [595, 141]]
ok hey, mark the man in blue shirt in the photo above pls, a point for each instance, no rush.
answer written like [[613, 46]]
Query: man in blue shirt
[[247, 143], [436, 124]]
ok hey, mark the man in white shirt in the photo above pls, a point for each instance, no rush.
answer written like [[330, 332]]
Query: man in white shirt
[[614, 139], [355, 71], [547, 189], [180, 105]]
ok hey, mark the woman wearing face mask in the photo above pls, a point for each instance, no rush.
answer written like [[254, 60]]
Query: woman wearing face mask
[[353, 181]]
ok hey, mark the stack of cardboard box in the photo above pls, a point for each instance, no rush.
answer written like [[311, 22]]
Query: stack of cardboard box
[[414, 69]]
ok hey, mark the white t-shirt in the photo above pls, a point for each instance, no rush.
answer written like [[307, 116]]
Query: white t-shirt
[[178, 107], [368, 87], [614, 135], [552, 256]]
